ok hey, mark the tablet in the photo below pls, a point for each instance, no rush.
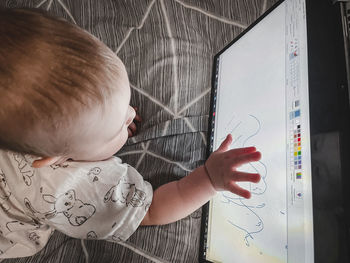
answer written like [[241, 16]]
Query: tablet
[[262, 96]]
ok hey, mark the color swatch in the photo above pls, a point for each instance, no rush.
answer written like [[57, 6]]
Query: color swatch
[[297, 148]]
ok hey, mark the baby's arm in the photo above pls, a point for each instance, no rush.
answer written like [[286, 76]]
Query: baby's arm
[[178, 199]]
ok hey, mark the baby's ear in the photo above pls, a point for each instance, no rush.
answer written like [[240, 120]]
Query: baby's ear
[[45, 161]]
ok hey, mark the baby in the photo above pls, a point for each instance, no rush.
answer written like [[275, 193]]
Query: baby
[[64, 112]]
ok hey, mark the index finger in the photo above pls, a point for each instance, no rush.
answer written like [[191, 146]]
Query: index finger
[[240, 151]]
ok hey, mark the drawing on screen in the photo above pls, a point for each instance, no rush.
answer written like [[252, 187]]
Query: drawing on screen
[[249, 222]]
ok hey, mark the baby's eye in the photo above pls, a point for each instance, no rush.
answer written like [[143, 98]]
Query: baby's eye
[[67, 203]]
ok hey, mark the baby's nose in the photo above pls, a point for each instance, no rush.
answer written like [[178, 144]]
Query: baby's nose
[[132, 114]]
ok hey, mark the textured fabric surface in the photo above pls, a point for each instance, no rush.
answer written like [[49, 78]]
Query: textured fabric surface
[[168, 48]]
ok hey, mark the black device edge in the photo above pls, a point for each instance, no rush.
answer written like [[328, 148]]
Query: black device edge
[[205, 207], [342, 121], [344, 127]]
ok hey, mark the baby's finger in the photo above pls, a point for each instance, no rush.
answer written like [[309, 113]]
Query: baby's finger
[[225, 144], [132, 127], [245, 177], [234, 188], [246, 158], [240, 151], [138, 118], [129, 133]]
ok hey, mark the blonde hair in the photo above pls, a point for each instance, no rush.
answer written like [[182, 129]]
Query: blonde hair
[[51, 71]]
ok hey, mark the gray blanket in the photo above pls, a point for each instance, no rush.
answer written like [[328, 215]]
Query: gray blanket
[[168, 48]]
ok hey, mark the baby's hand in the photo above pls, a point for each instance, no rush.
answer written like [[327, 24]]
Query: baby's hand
[[132, 129], [222, 164]]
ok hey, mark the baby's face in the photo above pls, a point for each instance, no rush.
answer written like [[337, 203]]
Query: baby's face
[[103, 134]]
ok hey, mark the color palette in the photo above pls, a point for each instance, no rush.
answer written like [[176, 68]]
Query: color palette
[[297, 148]]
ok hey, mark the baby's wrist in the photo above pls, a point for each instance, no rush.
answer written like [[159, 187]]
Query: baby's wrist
[[205, 168]]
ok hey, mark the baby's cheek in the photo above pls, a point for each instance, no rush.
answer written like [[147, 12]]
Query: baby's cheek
[[122, 139], [125, 135]]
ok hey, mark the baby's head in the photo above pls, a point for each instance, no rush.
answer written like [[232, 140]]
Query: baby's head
[[64, 94]]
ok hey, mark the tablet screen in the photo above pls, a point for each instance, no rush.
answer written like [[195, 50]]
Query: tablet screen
[[261, 98]]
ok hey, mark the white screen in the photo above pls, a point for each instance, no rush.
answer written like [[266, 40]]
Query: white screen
[[262, 100]]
